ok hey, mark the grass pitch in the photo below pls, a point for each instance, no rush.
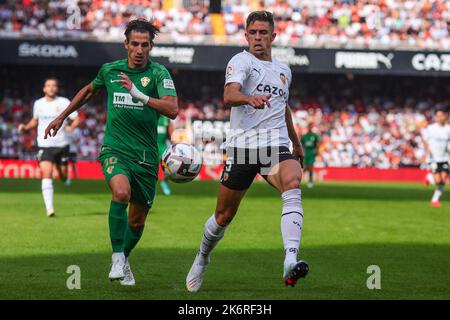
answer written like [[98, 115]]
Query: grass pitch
[[347, 227]]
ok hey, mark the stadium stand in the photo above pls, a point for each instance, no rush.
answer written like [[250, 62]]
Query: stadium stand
[[324, 23], [362, 122]]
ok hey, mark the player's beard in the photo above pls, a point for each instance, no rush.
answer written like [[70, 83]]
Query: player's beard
[[139, 60]]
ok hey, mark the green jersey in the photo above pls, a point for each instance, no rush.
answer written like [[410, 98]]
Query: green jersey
[[131, 126], [163, 135], [310, 142]]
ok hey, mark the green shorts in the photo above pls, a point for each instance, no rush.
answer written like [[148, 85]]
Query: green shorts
[[142, 177], [310, 159]]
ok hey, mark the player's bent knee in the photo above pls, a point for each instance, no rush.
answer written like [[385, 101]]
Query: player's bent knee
[[223, 221], [292, 183], [121, 195], [47, 174], [137, 225], [224, 217]]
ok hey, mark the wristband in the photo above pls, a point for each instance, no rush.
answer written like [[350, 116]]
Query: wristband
[[135, 93]]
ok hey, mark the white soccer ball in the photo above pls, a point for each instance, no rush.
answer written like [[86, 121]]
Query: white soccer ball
[[181, 162]]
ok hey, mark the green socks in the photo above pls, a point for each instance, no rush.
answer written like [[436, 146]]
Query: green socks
[[123, 238], [131, 239], [118, 222]]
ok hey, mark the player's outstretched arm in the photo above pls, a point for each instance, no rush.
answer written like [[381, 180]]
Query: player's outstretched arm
[[296, 144], [427, 149], [82, 97], [232, 96], [425, 144], [167, 105], [33, 123]]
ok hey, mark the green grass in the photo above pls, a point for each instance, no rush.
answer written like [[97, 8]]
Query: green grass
[[347, 227]]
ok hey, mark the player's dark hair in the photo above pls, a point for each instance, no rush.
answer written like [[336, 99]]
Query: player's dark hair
[[260, 16], [444, 110], [51, 78], [141, 25]]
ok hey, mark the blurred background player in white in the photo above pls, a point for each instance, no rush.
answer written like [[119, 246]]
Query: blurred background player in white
[[436, 138], [429, 178], [55, 151], [261, 126], [74, 140]]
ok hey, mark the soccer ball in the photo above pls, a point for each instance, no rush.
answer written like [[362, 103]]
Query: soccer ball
[[181, 162]]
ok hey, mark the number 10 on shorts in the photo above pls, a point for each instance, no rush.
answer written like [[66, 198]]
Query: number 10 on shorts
[[109, 163]]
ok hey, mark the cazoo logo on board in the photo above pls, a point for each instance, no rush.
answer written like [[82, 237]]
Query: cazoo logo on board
[[431, 61]]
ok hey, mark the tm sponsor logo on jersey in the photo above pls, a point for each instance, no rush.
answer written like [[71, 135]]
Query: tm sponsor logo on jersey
[[274, 90], [363, 60], [125, 100]]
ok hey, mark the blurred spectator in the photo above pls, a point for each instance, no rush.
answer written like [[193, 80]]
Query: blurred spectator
[[322, 23], [388, 138], [383, 133]]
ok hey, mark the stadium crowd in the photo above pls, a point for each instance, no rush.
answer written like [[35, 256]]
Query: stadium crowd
[[372, 133], [342, 23]]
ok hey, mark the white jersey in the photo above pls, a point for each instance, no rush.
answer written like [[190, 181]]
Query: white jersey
[[256, 128], [45, 112], [438, 139], [73, 139]]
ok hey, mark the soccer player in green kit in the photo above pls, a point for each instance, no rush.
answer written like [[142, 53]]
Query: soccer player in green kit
[[310, 141], [164, 132], [139, 91]]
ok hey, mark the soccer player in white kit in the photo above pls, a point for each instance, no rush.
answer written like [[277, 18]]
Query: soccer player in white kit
[[261, 127], [54, 151], [436, 138]]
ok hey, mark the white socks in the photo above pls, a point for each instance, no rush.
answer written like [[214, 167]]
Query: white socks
[[211, 236], [438, 193], [118, 256], [47, 193], [430, 178], [291, 228], [291, 223]]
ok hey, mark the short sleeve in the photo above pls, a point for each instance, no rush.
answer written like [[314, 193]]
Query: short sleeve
[[425, 133], [238, 69], [164, 84], [64, 103], [35, 111], [99, 80], [289, 76], [73, 115]]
